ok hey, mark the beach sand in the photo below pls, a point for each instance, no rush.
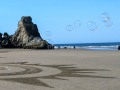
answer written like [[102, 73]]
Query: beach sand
[[63, 69]]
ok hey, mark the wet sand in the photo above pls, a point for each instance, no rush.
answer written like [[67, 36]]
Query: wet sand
[[64, 69]]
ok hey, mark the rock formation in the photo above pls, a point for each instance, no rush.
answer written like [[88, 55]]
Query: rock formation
[[26, 31], [5, 41], [26, 36]]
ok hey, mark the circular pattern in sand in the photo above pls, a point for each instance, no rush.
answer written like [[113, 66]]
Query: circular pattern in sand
[[31, 74], [18, 70]]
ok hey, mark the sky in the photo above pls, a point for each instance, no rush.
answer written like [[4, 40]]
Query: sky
[[65, 21]]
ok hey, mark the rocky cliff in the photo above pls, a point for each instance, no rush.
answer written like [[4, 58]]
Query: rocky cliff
[[26, 36], [26, 31]]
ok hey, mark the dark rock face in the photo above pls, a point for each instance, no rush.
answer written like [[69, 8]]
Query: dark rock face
[[26, 31], [5, 41]]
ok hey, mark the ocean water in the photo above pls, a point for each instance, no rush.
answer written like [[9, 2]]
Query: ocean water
[[91, 46]]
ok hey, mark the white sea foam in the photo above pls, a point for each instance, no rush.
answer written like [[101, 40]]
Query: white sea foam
[[101, 47]]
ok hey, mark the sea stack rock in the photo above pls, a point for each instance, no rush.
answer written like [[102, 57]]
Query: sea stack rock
[[27, 35], [26, 31]]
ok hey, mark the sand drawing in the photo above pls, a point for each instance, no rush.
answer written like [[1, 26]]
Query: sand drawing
[[30, 74]]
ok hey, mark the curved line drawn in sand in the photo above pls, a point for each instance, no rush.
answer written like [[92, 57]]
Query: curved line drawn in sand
[[2, 57], [4, 51], [31, 73]]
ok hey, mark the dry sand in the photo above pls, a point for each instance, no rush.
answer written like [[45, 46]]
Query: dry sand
[[64, 69]]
